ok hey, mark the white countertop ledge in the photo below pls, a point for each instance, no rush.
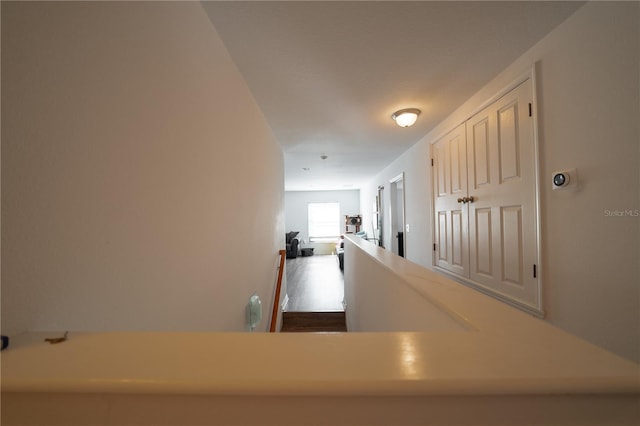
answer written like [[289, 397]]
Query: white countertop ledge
[[501, 351], [390, 364]]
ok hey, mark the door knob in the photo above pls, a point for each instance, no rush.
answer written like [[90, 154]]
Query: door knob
[[465, 200]]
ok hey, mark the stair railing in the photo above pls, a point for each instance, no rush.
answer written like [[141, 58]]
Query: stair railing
[[276, 301]]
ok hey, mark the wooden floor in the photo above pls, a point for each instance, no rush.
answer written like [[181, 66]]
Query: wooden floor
[[314, 322], [314, 284]]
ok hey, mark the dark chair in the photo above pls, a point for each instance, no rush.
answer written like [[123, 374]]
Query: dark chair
[[340, 253], [292, 243]]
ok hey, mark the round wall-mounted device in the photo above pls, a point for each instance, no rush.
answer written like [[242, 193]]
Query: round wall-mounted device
[[560, 179], [564, 179]]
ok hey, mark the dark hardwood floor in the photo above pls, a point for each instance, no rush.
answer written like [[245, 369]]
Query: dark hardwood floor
[[315, 287], [313, 322], [314, 284]]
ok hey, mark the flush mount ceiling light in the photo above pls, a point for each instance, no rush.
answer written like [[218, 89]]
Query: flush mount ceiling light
[[406, 117]]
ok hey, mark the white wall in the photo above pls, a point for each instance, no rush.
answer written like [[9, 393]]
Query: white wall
[[379, 299], [588, 108], [417, 174], [296, 211], [137, 170]]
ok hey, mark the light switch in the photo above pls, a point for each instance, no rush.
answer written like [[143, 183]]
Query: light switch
[[407, 227]]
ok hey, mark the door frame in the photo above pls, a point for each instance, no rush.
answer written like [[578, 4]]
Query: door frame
[[380, 216], [393, 205]]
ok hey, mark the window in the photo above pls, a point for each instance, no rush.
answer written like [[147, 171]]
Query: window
[[324, 221]]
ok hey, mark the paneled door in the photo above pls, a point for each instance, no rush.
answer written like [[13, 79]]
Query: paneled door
[[501, 197], [450, 185]]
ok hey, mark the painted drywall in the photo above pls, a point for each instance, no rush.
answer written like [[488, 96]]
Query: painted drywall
[[588, 89], [137, 170], [296, 212], [378, 298], [417, 174]]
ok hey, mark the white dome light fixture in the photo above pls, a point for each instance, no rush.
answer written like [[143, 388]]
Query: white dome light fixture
[[406, 117]]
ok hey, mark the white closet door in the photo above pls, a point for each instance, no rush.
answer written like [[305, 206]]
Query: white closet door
[[502, 215], [450, 183]]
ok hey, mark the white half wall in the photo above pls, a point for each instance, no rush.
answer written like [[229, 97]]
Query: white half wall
[[136, 171], [588, 92], [379, 299], [296, 212]]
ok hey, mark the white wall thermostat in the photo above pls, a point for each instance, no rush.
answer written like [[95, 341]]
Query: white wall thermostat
[[564, 179]]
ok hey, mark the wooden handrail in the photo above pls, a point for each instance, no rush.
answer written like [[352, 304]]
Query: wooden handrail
[[276, 301]]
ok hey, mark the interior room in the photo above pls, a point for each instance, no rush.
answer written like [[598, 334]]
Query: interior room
[[156, 155]]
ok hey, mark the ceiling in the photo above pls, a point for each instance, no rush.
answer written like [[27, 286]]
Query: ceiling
[[328, 74]]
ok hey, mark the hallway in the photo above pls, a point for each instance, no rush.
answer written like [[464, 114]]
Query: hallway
[[314, 284]]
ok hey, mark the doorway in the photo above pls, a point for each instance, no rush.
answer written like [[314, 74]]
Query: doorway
[[396, 198], [379, 216]]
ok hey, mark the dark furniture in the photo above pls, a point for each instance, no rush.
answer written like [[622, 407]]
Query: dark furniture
[[352, 221], [292, 244], [340, 253]]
